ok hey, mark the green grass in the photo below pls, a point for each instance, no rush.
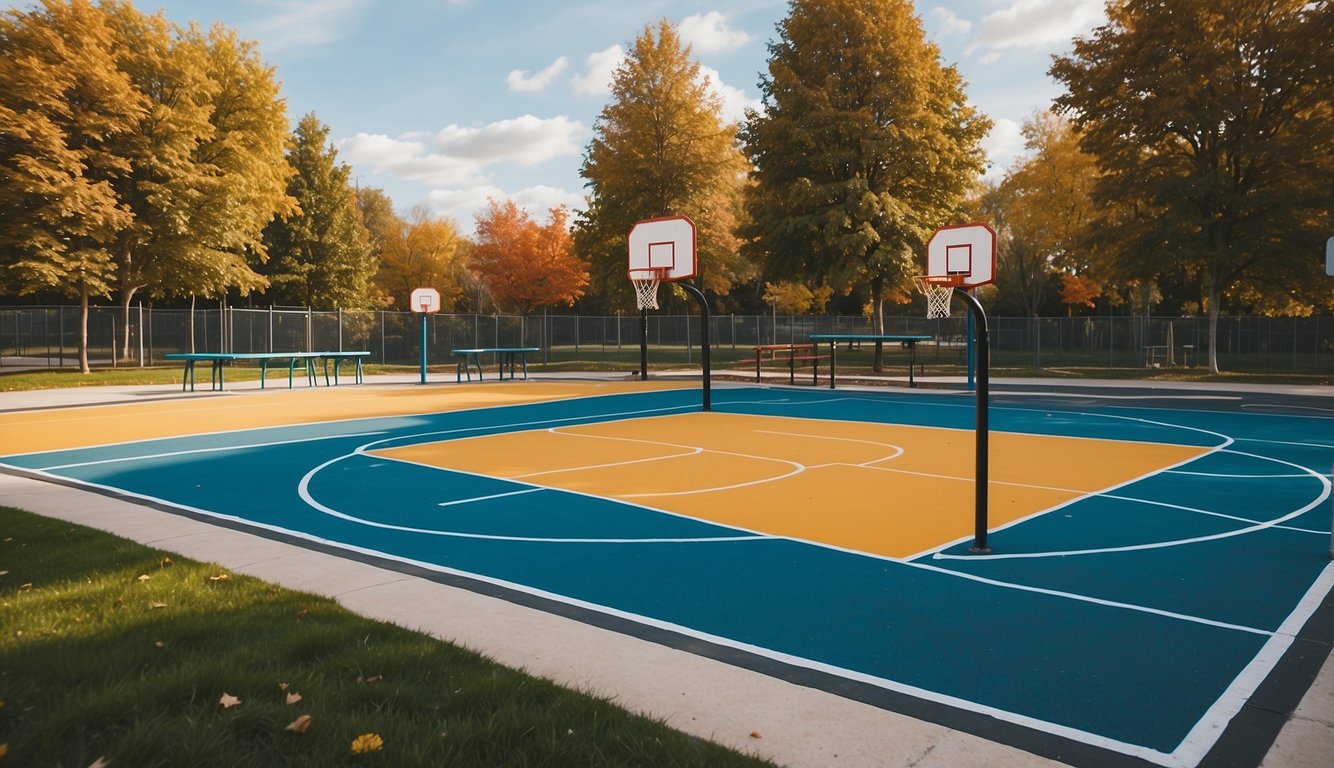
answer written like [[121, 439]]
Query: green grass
[[112, 650]]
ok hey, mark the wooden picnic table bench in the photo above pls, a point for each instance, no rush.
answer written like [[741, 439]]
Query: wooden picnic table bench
[[792, 355], [467, 359], [908, 342], [218, 361]]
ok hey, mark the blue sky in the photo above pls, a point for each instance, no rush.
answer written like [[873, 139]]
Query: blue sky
[[445, 103]]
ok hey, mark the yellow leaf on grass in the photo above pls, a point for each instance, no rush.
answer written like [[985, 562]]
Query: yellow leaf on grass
[[220, 577], [298, 725], [100, 762], [144, 577], [156, 605], [228, 701], [293, 698], [4, 750], [367, 742]]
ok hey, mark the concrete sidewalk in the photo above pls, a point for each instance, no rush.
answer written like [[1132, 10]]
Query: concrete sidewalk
[[745, 710]]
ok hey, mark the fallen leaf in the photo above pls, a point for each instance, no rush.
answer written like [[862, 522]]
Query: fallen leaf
[[282, 686], [26, 586], [158, 644], [4, 573], [301, 614], [756, 735], [293, 698], [367, 742], [300, 725], [220, 577], [144, 577], [164, 562], [156, 605], [228, 701], [100, 762], [374, 678]]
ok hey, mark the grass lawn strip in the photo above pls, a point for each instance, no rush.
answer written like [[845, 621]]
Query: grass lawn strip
[[115, 651]]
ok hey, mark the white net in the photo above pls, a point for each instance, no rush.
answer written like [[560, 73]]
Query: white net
[[646, 289], [938, 290]]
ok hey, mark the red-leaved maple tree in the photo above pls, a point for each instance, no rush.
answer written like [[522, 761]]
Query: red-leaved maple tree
[[526, 265]]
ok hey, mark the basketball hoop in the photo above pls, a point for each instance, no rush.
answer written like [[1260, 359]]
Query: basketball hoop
[[938, 289], [646, 283]]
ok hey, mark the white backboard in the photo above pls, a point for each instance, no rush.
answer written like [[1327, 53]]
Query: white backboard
[[968, 250], [425, 300], [666, 244]]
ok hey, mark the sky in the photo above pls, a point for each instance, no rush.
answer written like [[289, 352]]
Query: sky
[[447, 103]]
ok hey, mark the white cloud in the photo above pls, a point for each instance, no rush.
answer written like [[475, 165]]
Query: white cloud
[[525, 140], [951, 24], [457, 156], [600, 68], [1036, 23], [519, 80], [734, 100], [709, 33], [1003, 145], [307, 23]]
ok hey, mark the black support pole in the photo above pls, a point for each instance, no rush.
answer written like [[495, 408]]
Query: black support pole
[[983, 387], [704, 339]]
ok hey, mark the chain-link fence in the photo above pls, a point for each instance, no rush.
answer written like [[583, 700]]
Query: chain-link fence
[[48, 337]]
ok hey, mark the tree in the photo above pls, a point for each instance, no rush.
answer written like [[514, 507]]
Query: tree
[[64, 104], [1211, 121], [207, 167], [423, 251], [1048, 204], [319, 257], [526, 265], [794, 298], [865, 146], [660, 148]]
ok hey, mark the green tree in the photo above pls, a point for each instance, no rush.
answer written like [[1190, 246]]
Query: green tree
[[661, 148], [1211, 121], [319, 257], [64, 104], [866, 144]]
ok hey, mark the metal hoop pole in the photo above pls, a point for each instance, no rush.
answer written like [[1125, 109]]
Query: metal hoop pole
[[983, 391]]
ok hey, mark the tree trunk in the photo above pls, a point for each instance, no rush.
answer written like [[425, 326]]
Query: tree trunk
[[126, 296], [878, 322], [83, 330]]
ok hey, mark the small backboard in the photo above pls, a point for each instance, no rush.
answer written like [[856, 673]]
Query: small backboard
[[967, 251], [425, 300], [663, 248]]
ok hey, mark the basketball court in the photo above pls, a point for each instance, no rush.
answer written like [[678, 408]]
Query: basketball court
[[1158, 583]]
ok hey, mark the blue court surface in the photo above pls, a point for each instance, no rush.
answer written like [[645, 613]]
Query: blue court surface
[[1169, 618]]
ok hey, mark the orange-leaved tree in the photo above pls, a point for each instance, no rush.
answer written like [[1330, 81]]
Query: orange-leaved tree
[[526, 265]]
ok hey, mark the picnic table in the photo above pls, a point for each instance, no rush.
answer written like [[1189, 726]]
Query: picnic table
[[307, 360], [792, 354], [467, 359], [908, 342]]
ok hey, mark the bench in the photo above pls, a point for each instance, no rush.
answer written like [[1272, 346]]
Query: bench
[[908, 342], [307, 360], [791, 354], [465, 360]]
